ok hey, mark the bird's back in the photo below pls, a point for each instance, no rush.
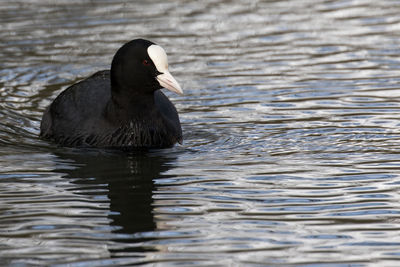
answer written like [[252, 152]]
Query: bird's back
[[78, 107]]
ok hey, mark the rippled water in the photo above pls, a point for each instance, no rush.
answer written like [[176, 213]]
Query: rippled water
[[291, 126]]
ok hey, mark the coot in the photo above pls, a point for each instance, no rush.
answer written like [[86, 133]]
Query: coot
[[118, 108]]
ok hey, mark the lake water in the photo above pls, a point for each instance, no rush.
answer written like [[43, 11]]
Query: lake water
[[291, 120]]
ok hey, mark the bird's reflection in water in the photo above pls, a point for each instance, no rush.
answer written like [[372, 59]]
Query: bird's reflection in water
[[129, 179]]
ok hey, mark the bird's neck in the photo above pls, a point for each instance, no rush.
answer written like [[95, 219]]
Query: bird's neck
[[125, 107]]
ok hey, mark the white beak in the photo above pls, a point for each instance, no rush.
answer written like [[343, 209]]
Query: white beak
[[167, 81]]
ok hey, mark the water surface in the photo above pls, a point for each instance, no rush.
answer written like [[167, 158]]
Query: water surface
[[291, 136]]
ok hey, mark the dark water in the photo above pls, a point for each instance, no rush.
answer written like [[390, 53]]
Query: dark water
[[291, 126]]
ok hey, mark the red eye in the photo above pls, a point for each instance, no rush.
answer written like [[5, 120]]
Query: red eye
[[146, 62]]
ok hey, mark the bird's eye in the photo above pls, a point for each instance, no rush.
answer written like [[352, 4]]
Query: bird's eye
[[146, 62]]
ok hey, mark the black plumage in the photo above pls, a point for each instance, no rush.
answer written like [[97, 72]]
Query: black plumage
[[120, 108]]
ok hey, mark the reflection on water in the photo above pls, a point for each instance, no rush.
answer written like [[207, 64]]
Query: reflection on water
[[291, 136], [128, 182]]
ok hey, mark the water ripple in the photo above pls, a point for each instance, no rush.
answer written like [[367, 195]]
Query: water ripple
[[290, 119]]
